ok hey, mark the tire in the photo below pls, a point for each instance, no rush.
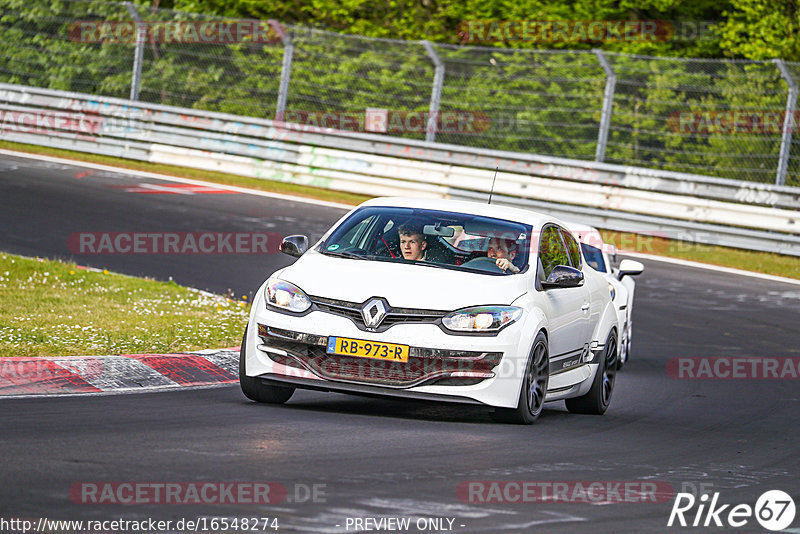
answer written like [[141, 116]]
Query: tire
[[625, 349], [256, 390], [629, 341], [596, 401], [534, 387]]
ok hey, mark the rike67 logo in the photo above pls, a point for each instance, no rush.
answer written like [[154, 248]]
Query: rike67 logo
[[774, 510]]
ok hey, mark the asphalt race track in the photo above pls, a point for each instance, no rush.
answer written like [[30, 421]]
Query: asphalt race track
[[391, 458]]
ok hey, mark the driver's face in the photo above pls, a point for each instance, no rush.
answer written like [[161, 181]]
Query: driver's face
[[498, 249], [412, 246]]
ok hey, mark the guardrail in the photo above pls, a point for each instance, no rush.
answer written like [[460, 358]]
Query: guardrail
[[645, 201]]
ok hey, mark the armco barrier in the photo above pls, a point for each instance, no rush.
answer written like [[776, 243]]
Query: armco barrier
[[681, 206]]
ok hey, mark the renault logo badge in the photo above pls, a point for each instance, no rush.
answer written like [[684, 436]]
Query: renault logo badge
[[373, 312]]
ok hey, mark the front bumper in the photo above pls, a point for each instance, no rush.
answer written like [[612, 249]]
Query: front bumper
[[360, 389], [486, 370], [425, 366], [477, 369]]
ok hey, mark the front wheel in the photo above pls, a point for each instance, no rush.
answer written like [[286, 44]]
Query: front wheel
[[254, 389], [534, 387], [598, 398]]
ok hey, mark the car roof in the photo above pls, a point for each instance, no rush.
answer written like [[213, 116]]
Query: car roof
[[533, 218]]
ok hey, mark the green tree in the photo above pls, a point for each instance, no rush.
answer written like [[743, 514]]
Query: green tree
[[762, 29]]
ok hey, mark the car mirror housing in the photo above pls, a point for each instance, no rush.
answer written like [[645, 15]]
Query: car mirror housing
[[438, 230], [294, 245], [629, 268], [564, 276]]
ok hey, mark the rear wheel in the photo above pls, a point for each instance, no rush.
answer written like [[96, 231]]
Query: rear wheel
[[534, 387], [256, 390], [598, 398]]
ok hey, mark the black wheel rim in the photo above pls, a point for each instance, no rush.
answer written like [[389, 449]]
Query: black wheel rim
[[628, 339], [537, 379], [610, 371], [623, 350]]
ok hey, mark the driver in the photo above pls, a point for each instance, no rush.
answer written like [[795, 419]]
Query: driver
[[412, 242], [503, 251]]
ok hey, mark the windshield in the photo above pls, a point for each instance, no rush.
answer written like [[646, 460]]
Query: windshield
[[432, 239], [594, 257]]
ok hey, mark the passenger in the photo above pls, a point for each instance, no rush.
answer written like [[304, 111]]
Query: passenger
[[504, 251], [412, 242]]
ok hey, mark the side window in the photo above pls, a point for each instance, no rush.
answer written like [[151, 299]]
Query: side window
[[551, 250], [572, 249], [594, 257]]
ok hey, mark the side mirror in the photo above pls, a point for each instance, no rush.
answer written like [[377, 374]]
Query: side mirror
[[294, 245], [563, 276], [629, 268]]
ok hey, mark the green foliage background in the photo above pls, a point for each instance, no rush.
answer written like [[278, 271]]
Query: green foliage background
[[541, 97], [752, 29]]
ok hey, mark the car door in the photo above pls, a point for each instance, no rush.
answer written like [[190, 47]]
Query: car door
[[590, 307], [568, 306]]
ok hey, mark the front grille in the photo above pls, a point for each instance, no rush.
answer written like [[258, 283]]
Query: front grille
[[424, 366], [365, 369], [352, 310]]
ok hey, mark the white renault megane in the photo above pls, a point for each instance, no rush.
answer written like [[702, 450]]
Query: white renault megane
[[436, 299]]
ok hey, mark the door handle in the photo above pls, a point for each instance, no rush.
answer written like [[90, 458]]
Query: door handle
[[585, 306]]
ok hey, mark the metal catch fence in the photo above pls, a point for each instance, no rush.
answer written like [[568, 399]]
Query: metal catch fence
[[723, 118]]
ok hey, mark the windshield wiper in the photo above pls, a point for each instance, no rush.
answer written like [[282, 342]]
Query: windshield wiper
[[345, 254]]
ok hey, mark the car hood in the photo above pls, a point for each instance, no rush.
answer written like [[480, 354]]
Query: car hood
[[403, 286]]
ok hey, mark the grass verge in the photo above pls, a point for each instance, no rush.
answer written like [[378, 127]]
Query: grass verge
[[53, 308], [762, 262], [747, 260]]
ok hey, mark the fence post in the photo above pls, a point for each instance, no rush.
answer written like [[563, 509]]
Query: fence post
[[436, 92], [138, 55], [608, 102], [788, 122], [286, 68]]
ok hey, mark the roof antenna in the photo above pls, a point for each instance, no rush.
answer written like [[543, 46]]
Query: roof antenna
[[493, 180]]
